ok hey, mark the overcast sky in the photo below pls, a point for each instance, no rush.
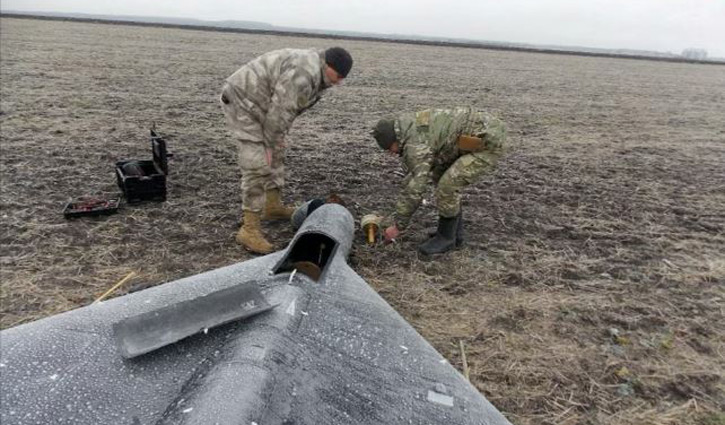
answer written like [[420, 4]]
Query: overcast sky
[[660, 25]]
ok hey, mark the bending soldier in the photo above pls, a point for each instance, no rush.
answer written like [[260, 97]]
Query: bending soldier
[[260, 102], [450, 148]]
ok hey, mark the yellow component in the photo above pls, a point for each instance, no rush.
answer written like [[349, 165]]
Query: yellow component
[[370, 224]]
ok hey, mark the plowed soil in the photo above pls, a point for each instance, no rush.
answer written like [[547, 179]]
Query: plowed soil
[[590, 287]]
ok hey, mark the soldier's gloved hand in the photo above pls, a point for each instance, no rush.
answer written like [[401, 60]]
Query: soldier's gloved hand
[[391, 233]]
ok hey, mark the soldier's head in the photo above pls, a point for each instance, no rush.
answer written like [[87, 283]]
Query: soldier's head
[[384, 134], [338, 64]]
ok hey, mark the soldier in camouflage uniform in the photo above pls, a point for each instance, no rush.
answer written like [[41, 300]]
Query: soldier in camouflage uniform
[[450, 148], [260, 102]]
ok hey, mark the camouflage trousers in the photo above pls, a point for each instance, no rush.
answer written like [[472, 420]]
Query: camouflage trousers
[[262, 166], [450, 181], [262, 170], [467, 169]]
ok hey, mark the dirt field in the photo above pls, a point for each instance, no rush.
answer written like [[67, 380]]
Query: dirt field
[[591, 287]]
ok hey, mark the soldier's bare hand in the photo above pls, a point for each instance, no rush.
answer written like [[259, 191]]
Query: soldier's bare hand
[[391, 234]]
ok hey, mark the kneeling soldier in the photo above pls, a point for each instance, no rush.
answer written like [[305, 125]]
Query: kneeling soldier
[[451, 148]]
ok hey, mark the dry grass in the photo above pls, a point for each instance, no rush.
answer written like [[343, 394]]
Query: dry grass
[[550, 351]]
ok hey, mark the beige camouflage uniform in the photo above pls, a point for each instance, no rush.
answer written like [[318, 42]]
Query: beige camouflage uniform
[[428, 146], [260, 102]]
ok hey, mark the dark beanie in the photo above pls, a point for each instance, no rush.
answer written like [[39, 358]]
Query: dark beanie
[[339, 59], [384, 133]]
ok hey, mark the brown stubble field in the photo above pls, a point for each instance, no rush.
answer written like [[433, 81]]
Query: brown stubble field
[[590, 290]]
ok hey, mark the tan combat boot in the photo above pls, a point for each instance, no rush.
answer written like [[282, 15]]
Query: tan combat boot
[[274, 209], [250, 235]]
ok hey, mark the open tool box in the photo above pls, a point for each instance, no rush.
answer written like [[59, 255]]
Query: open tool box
[[142, 180]]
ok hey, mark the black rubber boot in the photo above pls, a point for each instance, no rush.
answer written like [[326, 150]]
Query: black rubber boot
[[444, 240], [459, 228], [432, 231]]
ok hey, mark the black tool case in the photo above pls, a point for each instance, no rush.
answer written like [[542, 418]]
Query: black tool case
[[145, 180]]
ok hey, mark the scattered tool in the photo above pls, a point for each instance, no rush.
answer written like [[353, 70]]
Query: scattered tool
[[90, 207], [149, 331], [370, 224]]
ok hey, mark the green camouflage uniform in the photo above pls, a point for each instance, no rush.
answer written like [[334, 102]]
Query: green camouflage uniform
[[260, 102], [429, 149]]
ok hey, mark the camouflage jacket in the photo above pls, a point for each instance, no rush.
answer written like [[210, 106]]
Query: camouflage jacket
[[270, 91], [428, 143]]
